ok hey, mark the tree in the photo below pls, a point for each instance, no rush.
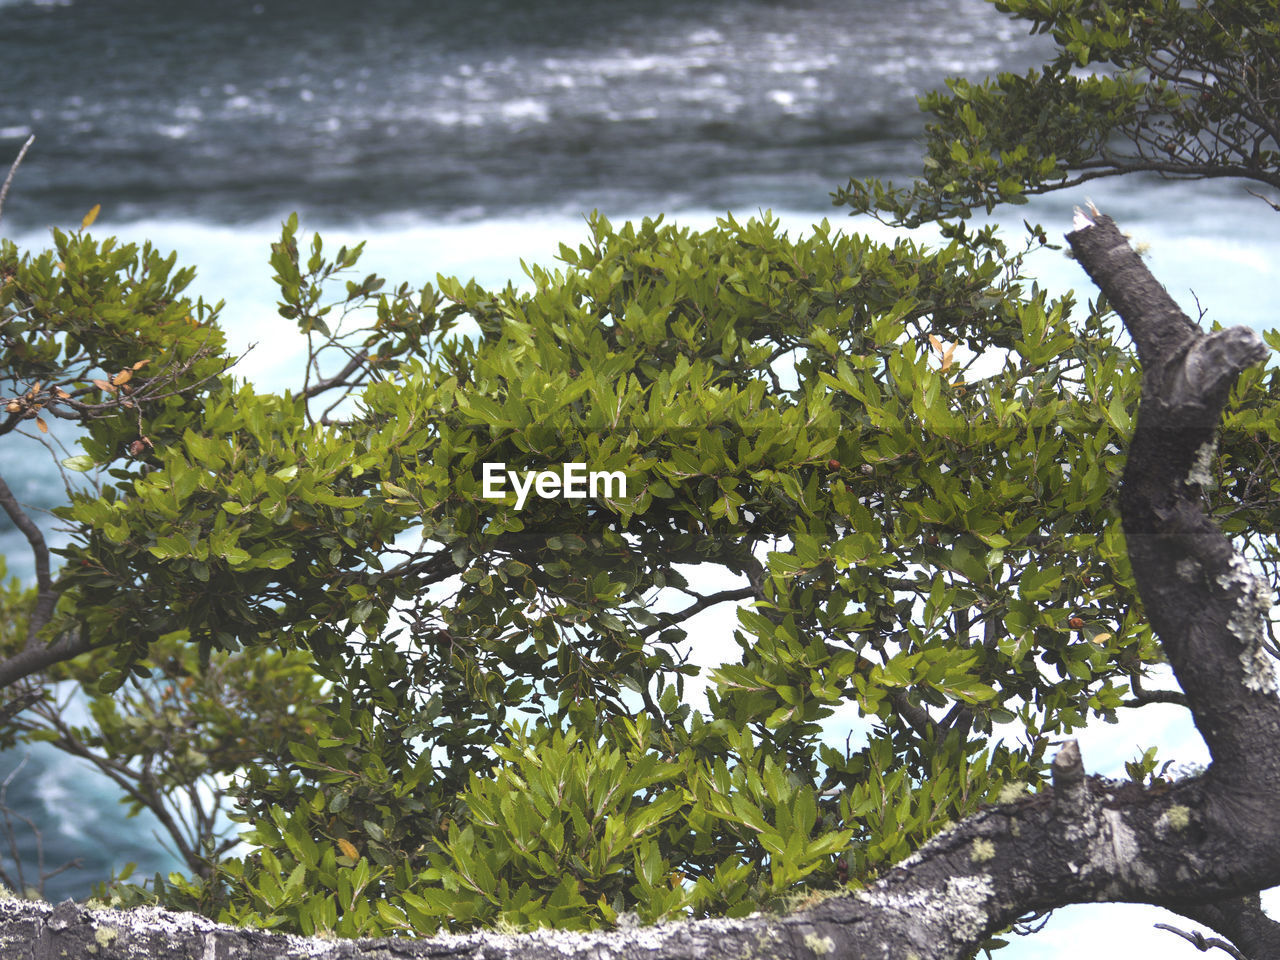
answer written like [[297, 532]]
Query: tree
[[933, 548], [1182, 91], [250, 520], [1196, 845], [100, 336]]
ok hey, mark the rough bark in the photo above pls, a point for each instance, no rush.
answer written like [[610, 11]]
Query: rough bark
[[1202, 847]]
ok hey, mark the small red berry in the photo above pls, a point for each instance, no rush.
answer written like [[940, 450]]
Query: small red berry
[[1076, 623]]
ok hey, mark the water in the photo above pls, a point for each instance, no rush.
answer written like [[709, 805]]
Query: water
[[470, 109], [460, 137]]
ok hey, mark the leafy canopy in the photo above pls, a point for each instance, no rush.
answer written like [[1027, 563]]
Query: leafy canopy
[[1184, 91], [902, 458]]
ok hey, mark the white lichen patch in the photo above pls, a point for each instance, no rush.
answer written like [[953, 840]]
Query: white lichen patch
[[1188, 570], [1200, 475], [1239, 577], [960, 910], [967, 911], [1258, 675], [1124, 842], [1252, 606]]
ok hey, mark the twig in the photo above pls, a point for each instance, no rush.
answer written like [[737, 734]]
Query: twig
[[10, 834], [1141, 697], [19, 703], [13, 168], [337, 380], [710, 600], [1267, 200], [8, 813], [1203, 943]]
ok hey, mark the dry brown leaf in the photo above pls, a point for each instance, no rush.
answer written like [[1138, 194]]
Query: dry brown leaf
[[103, 385], [61, 394], [124, 376], [140, 364], [937, 344], [348, 848], [1101, 638], [44, 427]]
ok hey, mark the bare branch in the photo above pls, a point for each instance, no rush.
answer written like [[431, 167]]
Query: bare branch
[[1241, 920], [338, 379], [13, 168], [46, 597], [702, 603], [1141, 696], [11, 838], [1201, 942], [37, 657]]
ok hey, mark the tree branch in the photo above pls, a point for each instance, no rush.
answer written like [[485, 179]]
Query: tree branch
[[1204, 604], [1240, 920], [338, 379], [1142, 696], [36, 657], [13, 168], [46, 597], [667, 620]]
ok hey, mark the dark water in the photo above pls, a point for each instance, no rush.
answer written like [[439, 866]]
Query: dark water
[[439, 129], [470, 108]]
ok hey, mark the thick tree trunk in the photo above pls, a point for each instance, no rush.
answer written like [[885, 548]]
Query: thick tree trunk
[[1202, 847]]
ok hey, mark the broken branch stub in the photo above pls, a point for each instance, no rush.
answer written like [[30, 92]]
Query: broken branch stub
[[1203, 602]]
